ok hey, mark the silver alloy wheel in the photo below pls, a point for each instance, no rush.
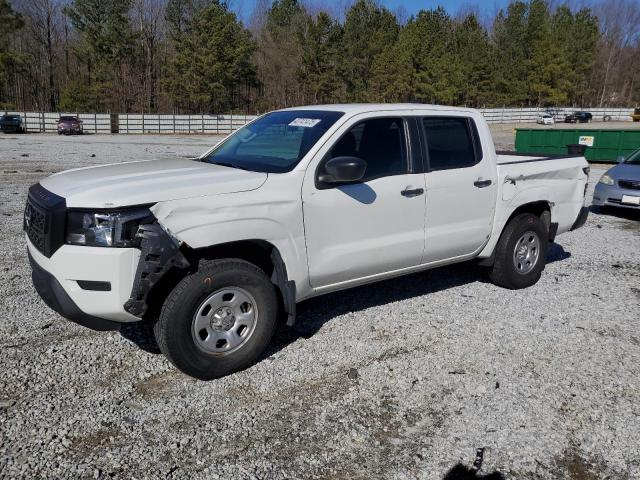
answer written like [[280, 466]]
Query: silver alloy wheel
[[526, 252], [224, 321]]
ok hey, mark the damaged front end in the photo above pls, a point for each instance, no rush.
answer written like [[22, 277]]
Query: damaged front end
[[159, 254]]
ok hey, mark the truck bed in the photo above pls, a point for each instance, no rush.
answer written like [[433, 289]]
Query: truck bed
[[507, 156], [559, 180]]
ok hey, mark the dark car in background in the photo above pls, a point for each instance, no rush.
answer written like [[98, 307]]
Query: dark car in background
[[69, 124], [578, 117], [11, 123]]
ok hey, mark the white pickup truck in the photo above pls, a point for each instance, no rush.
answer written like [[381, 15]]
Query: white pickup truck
[[298, 203]]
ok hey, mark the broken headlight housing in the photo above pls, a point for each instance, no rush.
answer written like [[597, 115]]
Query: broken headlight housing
[[106, 229]]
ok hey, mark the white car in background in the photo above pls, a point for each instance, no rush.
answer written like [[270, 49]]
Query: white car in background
[[545, 119]]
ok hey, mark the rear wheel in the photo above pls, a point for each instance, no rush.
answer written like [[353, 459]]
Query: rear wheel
[[521, 252], [219, 319]]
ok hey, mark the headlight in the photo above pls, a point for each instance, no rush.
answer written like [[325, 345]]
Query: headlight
[[117, 229], [606, 180]]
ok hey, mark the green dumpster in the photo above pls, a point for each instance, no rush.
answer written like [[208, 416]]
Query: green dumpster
[[603, 145]]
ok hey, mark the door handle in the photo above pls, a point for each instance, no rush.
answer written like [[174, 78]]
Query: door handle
[[482, 183], [412, 192]]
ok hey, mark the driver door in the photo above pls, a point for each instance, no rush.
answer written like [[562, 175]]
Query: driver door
[[373, 226]]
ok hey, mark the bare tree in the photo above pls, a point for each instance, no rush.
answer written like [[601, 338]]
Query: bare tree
[[44, 20], [148, 18], [619, 49]]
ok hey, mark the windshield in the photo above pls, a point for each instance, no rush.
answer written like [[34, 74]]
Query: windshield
[[633, 158], [274, 143]]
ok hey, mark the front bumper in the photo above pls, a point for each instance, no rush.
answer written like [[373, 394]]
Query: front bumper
[[59, 280], [611, 196], [59, 301], [11, 128], [74, 130]]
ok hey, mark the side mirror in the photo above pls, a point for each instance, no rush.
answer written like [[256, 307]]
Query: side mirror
[[343, 170], [620, 159]]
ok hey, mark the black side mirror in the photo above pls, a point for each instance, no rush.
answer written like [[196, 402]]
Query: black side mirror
[[343, 170]]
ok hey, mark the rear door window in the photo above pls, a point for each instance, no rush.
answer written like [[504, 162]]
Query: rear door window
[[452, 142]]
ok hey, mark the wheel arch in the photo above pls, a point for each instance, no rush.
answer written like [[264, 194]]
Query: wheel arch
[[258, 252], [539, 208]]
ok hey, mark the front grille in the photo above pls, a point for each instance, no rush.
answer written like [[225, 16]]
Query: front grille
[[35, 224], [45, 219], [630, 184]]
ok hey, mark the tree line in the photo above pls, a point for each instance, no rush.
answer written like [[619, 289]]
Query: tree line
[[194, 56]]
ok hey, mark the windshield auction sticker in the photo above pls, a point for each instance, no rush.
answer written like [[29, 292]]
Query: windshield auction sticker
[[305, 122]]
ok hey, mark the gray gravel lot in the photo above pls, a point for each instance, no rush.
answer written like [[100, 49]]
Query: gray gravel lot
[[402, 379]]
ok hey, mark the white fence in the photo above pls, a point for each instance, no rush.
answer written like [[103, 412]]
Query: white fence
[[176, 124], [163, 124], [47, 122], [528, 115]]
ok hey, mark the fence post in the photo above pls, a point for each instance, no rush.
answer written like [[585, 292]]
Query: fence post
[[202, 122], [143, 123], [174, 122], [26, 128]]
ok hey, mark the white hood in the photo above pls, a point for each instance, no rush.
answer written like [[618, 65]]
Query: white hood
[[137, 183]]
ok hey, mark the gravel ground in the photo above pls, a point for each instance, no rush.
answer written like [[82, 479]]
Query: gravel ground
[[402, 379]]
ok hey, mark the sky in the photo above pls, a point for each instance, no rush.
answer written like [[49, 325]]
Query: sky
[[487, 8]]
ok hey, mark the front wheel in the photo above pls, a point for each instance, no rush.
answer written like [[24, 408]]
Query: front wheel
[[219, 319], [521, 252]]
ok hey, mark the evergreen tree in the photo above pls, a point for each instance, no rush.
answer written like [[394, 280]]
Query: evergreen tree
[[369, 30], [211, 61], [10, 22], [280, 52], [438, 73], [510, 40], [476, 55], [106, 42], [546, 63], [320, 69], [578, 37]]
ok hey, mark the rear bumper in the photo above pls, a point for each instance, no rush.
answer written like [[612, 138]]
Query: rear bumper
[[582, 218]]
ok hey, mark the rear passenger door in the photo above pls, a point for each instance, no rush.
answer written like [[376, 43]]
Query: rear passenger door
[[461, 188]]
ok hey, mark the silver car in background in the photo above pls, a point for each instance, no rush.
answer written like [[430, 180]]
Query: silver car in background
[[620, 185]]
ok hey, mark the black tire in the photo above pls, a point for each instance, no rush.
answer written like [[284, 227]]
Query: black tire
[[173, 330], [504, 271]]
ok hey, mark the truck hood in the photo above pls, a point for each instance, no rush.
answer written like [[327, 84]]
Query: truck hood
[[150, 181]]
